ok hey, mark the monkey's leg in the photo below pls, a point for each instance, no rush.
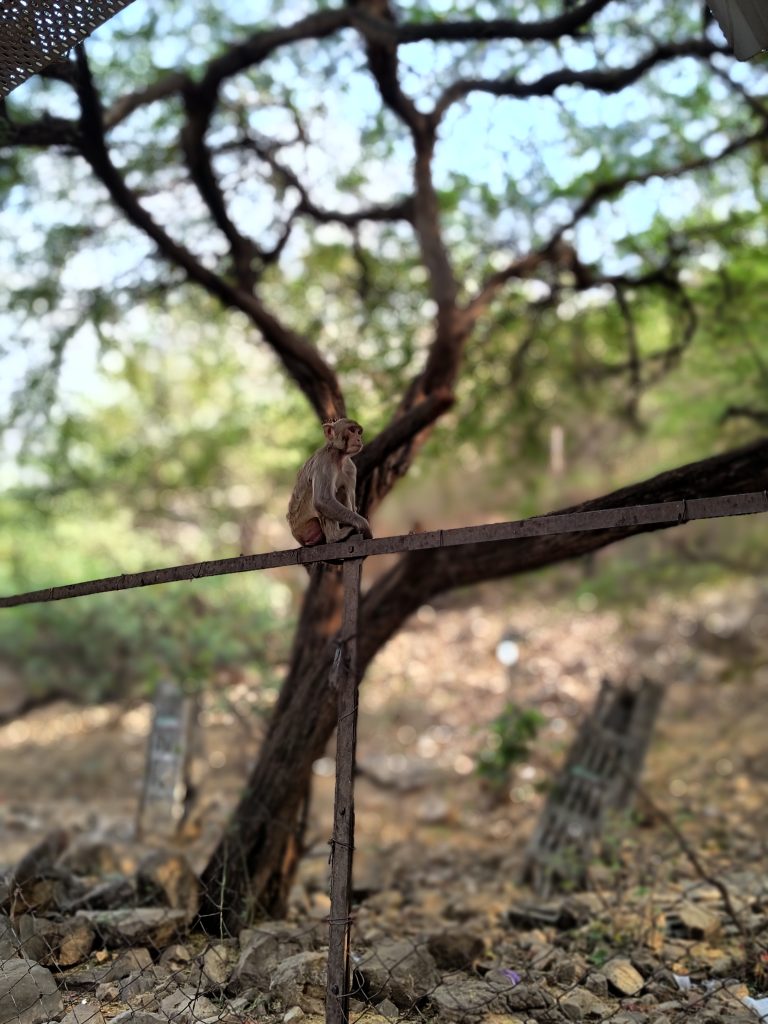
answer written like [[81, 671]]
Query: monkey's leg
[[335, 532]]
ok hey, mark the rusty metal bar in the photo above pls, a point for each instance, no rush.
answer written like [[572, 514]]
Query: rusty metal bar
[[344, 678], [539, 526]]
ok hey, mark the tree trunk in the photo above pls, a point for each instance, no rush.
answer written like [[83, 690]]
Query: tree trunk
[[252, 868]]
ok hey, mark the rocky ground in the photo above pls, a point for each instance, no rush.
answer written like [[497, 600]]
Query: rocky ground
[[670, 926]]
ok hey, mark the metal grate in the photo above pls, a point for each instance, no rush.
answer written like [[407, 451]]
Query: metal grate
[[33, 33]]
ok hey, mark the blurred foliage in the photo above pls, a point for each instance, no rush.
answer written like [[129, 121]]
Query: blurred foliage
[[510, 737], [117, 646]]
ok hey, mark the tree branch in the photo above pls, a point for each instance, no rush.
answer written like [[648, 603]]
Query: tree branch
[[605, 81], [301, 360], [399, 436], [402, 209], [525, 266], [420, 575], [566, 24], [246, 255]]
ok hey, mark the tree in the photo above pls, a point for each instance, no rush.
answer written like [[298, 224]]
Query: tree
[[210, 164]]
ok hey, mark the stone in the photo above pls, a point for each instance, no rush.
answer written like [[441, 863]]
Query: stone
[[112, 894], [569, 972], [691, 921], [401, 971], [185, 1005], [129, 961], [167, 877], [462, 998], [9, 940], [28, 993], [456, 949], [39, 938], [75, 942], [597, 984], [146, 980], [262, 949], [521, 996], [88, 857], [138, 1017], [87, 1011], [143, 926], [107, 992], [216, 967], [583, 1005], [175, 956], [300, 980], [387, 1008], [623, 977]]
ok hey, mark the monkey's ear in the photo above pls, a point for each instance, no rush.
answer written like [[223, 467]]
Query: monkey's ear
[[328, 430]]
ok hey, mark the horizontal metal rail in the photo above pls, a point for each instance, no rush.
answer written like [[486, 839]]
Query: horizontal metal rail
[[671, 512]]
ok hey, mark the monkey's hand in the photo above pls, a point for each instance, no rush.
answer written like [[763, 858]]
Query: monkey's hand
[[364, 527]]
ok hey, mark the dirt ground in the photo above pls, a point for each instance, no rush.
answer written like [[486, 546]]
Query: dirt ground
[[426, 705]]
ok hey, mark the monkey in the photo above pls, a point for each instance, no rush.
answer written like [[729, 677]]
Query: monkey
[[322, 506]]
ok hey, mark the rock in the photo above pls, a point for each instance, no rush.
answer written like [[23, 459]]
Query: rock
[[597, 984], [138, 1017], [168, 878], [40, 860], [112, 894], [623, 977], [262, 949], [39, 938], [75, 942], [28, 993], [64, 943], [186, 1005], [129, 961], [387, 1008], [146, 980], [9, 940], [176, 956], [520, 996], [583, 1005], [145, 926], [401, 971], [472, 999], [36, 883], [569, 972], [300, 980], [87, 1011], [107, 992], [456, 949], [215, 968], [690, 921], [88, 857]]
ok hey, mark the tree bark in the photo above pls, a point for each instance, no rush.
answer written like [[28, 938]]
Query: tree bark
[[252, 868]]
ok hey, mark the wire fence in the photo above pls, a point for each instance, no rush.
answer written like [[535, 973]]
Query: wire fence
[[97, 922], [34, 33]]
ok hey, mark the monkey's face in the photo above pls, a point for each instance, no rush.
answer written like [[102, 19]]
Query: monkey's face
[[353, 438], [344, 435]]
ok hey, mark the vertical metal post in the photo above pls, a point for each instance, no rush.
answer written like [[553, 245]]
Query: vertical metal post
[[344, 678]]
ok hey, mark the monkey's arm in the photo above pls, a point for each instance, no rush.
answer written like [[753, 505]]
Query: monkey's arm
[[327, 504]]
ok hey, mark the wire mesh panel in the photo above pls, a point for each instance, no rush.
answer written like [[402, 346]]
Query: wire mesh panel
[[33, 33], [599, 776]]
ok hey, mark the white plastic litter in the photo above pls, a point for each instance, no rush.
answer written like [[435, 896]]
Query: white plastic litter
[[760, 1006]]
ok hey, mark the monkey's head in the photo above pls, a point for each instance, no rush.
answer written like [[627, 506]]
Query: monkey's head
[[344, 435]]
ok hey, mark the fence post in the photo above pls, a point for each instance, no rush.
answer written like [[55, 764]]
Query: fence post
[[344, 678]]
